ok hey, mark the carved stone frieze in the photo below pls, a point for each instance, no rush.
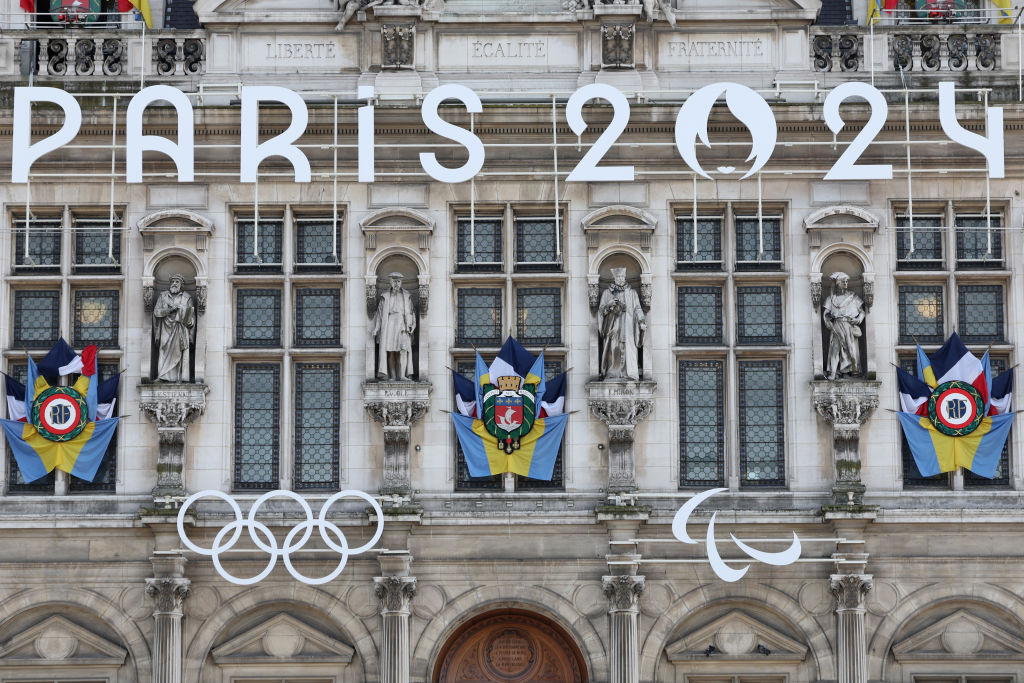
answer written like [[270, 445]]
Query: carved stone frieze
[[397, 413], [172, 413], [621, 412], [394, 592], [168, 594], [623, 592], [617, 46], [850, 590]]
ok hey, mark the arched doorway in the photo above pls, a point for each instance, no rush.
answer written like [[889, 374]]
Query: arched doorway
[[510, 646]]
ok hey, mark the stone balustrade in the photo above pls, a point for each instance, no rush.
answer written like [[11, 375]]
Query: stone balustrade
[[911, 48], [111, 53]]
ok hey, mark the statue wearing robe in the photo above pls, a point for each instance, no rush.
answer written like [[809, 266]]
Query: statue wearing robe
[[843, 314], [173, 319], [393, 325], [622, 326]]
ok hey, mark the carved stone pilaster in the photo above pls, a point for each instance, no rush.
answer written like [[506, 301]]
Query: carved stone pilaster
[[623, 593], [148, 297], [201, 299], [371, 299], [646, 292], [172, 407], [397, 406], [621, 405], [593, 294], [424, 298], [395, 594], [816, 290], [397, 41], [850, 591], [617, 46], [869, 291], [846, 405], [168, 595]]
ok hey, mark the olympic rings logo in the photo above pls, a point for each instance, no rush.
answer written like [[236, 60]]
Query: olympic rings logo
[[332, 536], [721, 569]]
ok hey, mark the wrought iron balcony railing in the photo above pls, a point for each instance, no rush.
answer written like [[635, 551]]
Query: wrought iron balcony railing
[[111, 53]]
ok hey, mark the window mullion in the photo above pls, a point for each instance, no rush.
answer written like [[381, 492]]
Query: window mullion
[[286, 441]]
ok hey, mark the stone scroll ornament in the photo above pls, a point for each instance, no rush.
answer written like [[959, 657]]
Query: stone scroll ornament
[[721, 569], [294, 541], [60, 427], [954, 414], [509, 418]]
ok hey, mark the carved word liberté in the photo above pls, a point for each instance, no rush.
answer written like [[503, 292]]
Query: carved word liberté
[[745, 104], [301, 50]]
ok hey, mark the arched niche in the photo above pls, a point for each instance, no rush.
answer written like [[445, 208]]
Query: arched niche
[[599, 278], [156, 278], [855, 262], [378, 280]]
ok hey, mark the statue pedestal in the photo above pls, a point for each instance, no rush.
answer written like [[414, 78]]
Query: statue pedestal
[[621, 404], [397, 406], [172, 407], [846, 405]]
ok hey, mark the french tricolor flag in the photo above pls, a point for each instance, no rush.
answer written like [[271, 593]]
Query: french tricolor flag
[[913, 393], [1002, 393]]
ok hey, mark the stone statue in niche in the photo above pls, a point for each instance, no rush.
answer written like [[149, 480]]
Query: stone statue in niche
[[622, 327], [842, 316], [393, 326], [174, 318], [348, 8]]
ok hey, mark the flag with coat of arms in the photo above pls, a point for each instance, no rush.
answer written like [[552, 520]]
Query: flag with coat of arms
[[60, 427], [509, 419], [954, 414]]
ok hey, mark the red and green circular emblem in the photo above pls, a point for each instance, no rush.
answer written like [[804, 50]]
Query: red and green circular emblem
[[59, 414], [956, 408]]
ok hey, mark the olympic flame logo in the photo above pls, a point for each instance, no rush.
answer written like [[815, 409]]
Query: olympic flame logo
[[724, 571], [332, 536]]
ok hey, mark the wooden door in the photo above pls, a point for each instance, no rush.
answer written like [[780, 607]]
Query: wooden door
[[511, 646]]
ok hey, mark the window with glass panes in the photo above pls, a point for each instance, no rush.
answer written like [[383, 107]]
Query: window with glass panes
[[97, 244], [36, 323], [733, 310], [980, 311], [258, 247], [317, 243], [96, 318], [539, 316], [979, 241], [479, 247], [288, 336], [479, 316], [42, 235], [921, 314], [919, 242], [538, 244]]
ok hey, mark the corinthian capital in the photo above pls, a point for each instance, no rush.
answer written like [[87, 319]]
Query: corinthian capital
[[623, 591], [394, 592], [850, 590], [168, 594]]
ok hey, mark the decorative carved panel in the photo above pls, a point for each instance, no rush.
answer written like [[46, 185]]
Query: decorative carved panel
[[510, 647]]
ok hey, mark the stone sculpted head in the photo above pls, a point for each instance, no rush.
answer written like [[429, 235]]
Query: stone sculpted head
[[396, 281], [177, 280], [840, 280], [619, 275]]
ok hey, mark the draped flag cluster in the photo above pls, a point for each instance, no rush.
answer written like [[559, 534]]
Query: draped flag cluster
[[509, 419], [62, 427], [954, 414], [85, 10]]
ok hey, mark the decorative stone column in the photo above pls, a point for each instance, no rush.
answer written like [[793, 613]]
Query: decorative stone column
[[168, 594], [172, 407], [621, 405], [624, 594], [395, 594], [397, 406], [846, 404], [850, 591]]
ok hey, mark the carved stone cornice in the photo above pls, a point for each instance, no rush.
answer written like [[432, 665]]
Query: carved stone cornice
[[401, 413], [846, 402], [394, 592], [168, 594], [171, 413], [850, 590], [623, 592]]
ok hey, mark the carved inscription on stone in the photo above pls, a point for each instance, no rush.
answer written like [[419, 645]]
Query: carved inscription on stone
[[698, 50], [516, 51], [289, 52]]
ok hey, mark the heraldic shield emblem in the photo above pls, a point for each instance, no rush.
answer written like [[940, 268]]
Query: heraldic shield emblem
[[510, 409]]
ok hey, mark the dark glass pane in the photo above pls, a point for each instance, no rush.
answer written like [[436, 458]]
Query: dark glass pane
[[919, 247], [981, 313], [762, 423], [317, 424], [537, 245], [552, 368], [43, 245], [96, 318], [539, 316], [911, 475], [708, 254], [701, 423], [106, 475], [921, 317], [758, 245], [699, 315], [258, 317], [979, 243], [94, 242], [269, 256], [759, 315], [36, 319], [317, 317], [479, 245], [463, 481], [479, 312], [315, 244], [257, 416]]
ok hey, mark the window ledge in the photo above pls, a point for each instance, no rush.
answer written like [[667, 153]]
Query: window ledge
[[331, 277], [919, 275], [257, 278], [316, 351], [256, 351], [982, 274], [761, 275]]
